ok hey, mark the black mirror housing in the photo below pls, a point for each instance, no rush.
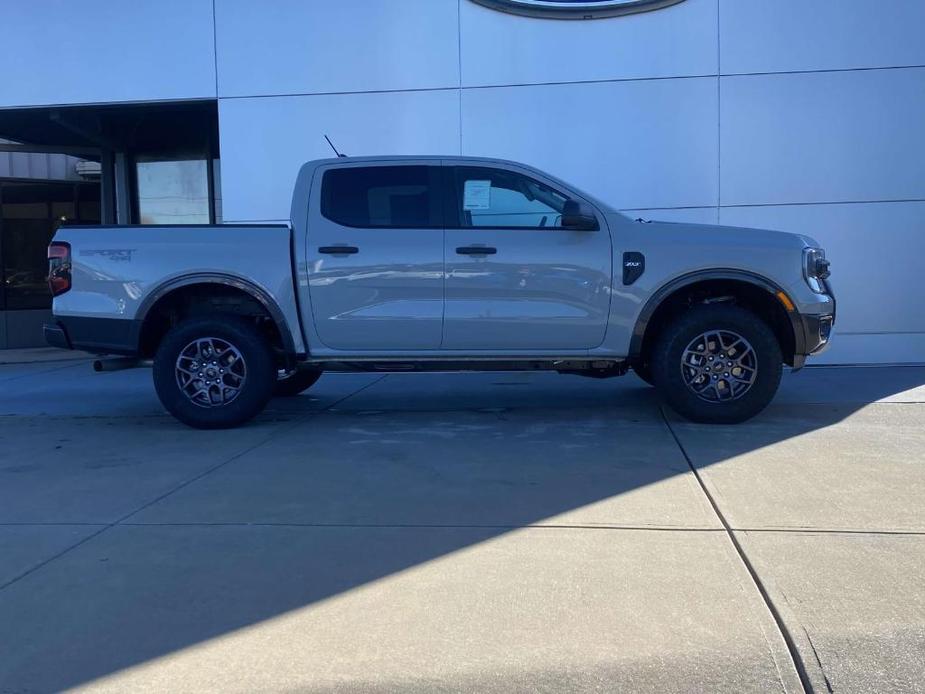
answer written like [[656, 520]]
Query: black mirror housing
[[578, 216]]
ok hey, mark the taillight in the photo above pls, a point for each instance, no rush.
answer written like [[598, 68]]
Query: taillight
[[59, 267]]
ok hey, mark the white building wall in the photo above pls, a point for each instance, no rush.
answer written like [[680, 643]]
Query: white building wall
[[96, 51], [802, 116], [790, 115]]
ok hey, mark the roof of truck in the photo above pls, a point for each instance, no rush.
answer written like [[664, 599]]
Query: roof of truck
[[403, 157]]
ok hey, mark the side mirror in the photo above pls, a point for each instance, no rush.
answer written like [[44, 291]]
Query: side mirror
[[578, 216]]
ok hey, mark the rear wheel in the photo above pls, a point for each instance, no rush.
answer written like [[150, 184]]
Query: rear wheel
[[296, 382], [214, 373], [718, 364]]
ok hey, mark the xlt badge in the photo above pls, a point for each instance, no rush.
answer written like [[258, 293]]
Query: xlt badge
[[634, 264]]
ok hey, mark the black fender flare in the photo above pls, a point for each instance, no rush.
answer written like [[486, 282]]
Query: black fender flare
[[669, 288], [258, 293]]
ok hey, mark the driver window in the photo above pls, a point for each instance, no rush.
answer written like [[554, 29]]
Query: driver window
[[499, 198]]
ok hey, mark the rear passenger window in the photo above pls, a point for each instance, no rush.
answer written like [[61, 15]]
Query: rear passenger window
[[402, 197]]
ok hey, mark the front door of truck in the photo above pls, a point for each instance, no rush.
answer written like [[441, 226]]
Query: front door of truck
[[375, 256], [516, 279]]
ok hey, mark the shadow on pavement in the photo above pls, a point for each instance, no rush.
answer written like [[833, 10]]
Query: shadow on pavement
[[410, 470]]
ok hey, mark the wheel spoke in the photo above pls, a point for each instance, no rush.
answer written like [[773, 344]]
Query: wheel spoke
[[719, 365], [211, 372]]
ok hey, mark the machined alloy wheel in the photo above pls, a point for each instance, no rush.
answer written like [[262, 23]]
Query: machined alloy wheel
[[716, 363], [211, 372], [719, 365]]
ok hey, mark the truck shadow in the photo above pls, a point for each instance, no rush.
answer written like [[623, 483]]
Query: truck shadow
[[403, 475]]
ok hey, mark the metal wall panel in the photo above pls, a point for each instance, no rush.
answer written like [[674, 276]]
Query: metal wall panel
[[24, 328], [499, 48], [298, 47], [259, 164], [65, 52], [42, 166], [876, 251], [796, 35], [823, 137], [648, 143]]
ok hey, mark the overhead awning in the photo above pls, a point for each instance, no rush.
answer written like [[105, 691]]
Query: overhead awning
[[86, 130]]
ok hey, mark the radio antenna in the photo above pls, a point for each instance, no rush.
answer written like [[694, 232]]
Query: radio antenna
[[333, 147]]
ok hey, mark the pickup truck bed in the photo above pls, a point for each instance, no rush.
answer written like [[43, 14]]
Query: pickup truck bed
[[118, 275]]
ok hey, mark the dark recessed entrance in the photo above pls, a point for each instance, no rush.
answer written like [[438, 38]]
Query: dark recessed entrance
[[158, 164]]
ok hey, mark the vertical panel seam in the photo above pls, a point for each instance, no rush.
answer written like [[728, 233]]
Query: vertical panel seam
[[215, 48], [719, 116], [459, 69]]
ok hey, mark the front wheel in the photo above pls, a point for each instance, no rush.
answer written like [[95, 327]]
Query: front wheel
[[214, 373], [717, 364]]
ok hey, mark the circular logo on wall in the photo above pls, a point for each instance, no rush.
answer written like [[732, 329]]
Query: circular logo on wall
[[576, 9]]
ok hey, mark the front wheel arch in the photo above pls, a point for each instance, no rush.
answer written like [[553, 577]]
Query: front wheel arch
[[750, 291]]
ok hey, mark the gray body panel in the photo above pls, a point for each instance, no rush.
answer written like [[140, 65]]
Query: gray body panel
[[674, 251], [545, 289], [547, 293], [388, 296], [118, 271]]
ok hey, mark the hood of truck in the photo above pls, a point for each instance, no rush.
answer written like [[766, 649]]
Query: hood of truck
[[686, 234]]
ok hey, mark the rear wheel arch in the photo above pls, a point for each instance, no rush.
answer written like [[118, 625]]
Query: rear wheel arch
[[200, 294], [749, 290]]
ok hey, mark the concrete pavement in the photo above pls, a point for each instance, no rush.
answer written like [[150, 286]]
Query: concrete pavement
[[456, 532]]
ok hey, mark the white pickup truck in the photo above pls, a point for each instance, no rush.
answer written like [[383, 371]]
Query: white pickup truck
[[442, 263]]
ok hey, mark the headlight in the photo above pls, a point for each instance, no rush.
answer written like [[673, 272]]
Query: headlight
[[815, 268]]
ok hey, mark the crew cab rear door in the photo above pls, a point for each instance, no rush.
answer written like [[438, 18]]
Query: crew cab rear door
[[375, 255], [516, 280]]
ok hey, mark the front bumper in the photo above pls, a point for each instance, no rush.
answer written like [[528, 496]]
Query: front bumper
[[817, 332]]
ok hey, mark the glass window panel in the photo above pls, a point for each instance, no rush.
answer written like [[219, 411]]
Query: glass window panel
[[89, 212], [25, 262], [29, 215], [500, 198], [25, 210], [381, 196], [172, 190], [63, 211]]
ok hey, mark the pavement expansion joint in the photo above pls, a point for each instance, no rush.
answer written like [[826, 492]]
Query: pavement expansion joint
[[783, 629]]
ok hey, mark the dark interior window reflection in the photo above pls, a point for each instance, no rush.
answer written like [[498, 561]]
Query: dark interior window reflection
[[29, 215]]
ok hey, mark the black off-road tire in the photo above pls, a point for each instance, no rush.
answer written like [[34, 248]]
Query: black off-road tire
[[255, 391], [666, 360], [296, 383], [644, 371]]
